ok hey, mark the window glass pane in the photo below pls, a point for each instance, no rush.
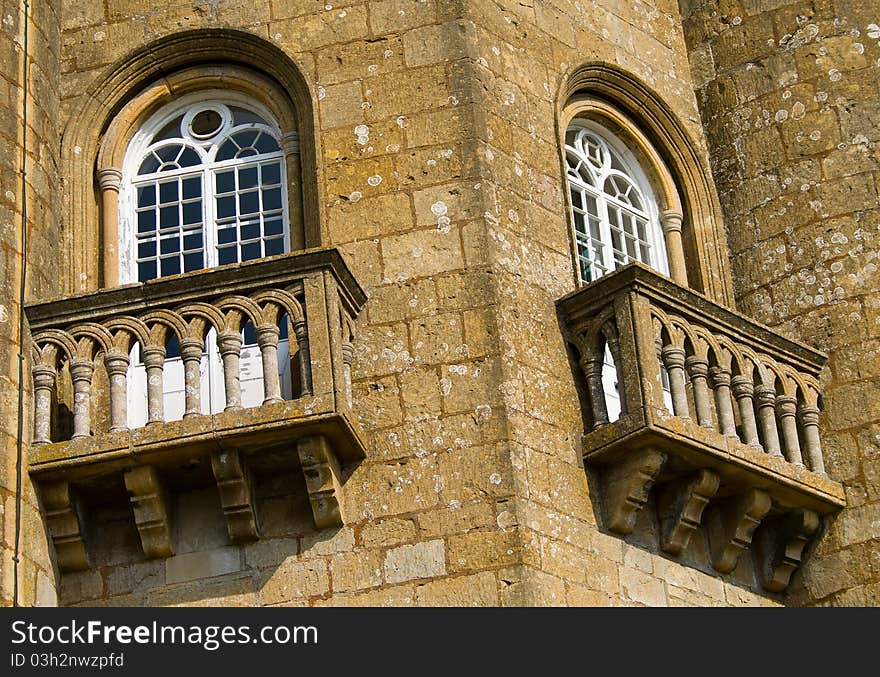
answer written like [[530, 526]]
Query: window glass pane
[[246, 139], [192, 262], [172, 346], [192, 212], [225, 181], [225, 207], [227, 255], [227, 235], [168, 217], [146, 271], [250, 231], [240, 116], [168, 192], [266, 144], [146, 195], [149, 165], [189, 158], [227, 151], [274, 247], [192, 187], [247, 178], [169, 153], [170, 266], [146, 249], [271, 173], [251, 251], [249, 203], [250, 334], [146, 221], [192, 241], [274, 227], [169, 131], [169, 245]]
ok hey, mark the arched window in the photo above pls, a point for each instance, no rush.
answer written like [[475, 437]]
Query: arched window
[[203, 184], [614, 215]]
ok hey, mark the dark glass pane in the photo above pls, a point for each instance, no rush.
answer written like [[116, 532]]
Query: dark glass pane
[[146, 221], [146, 249], [168, 153], [246, 152], [251, 251], [146, 196], [189, 158], [271, 199], [271, 173], [169, 245], [170, 266], [149, 165], [146, 271], [246, 139], [250, 231], [192, 212], [172, 346], [169, 131], [227, 235], [247, 178], [282, 325], [273, 227], [249, 203], [192, 262], [266, 144], [192, 187], [168, 192], [168, 217], [227, 151], [250, 334], [240, 116], [225, 207], [576, 200], [192, 241], [225, 181], [227, 255], [274, 247], [206, 123]]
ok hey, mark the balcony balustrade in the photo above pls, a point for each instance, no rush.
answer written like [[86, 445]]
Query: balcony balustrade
[[712, 415], [97, 356]]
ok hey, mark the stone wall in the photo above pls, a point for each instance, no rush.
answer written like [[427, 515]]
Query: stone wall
[[36, 576], [443, 187], [789, 94]]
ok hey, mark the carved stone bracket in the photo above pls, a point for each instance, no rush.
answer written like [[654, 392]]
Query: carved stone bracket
[[236, 496], [780, 544], [321, 470], [627, 485], [731, 525], [63, 521], [680, 505], [151, 511]]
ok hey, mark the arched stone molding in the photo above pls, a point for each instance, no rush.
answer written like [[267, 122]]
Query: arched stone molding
[[95, 138], [688, 202]]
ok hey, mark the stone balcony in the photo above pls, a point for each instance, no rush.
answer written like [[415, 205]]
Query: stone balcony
[[718, 421], [87, 348]]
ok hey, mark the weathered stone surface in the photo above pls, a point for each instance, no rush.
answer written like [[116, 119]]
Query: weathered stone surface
[[421, 560]]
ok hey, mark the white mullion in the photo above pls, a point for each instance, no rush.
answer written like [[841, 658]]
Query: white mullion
[[209, 222], [605, 231]]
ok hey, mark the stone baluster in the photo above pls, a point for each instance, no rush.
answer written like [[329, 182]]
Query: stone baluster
[[614, 349], [191, 350], [154, 363], [267, 339], [786, 410], [765, 398], [109, 181], [300, 329], [81, 371], [809, 416], [44, 385], [743, 391], [229, 344], [671, 221], [698, 369], [116, 362], [723, 404], [673, 360], [592, 368]]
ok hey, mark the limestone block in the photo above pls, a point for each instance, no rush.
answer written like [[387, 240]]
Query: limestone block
[[194, 565], [479, 590], [357, 570], [421, 560], [294, 580]]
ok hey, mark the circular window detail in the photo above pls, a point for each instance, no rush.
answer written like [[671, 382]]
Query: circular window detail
[[205, 122]]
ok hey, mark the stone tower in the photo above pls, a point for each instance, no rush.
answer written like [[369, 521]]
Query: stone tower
[[428, 399], [36, 574], [789, 97]]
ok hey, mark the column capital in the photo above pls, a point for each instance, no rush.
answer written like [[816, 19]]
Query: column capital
[[290, 143], [671, 219], [109, 178]]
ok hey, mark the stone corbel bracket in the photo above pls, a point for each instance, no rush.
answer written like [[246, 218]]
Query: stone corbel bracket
[[731, 525], [65, 526], [626, 487], [780, 545], [151, 510], [680, 505], [321, 469], [236, 496]]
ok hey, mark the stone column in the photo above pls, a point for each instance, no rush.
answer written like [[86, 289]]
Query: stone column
[[723, 405], [812, 446], [744, 391], [592, 369], [116, 364], [109, 180], [267, 340], [191, 350], [300, 329], [229, 344], [786, 410], [44, 385], [673, 360], [290, 147], [671, 222], [765, 398], [81, 371], [698, 368], [154, 362]]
